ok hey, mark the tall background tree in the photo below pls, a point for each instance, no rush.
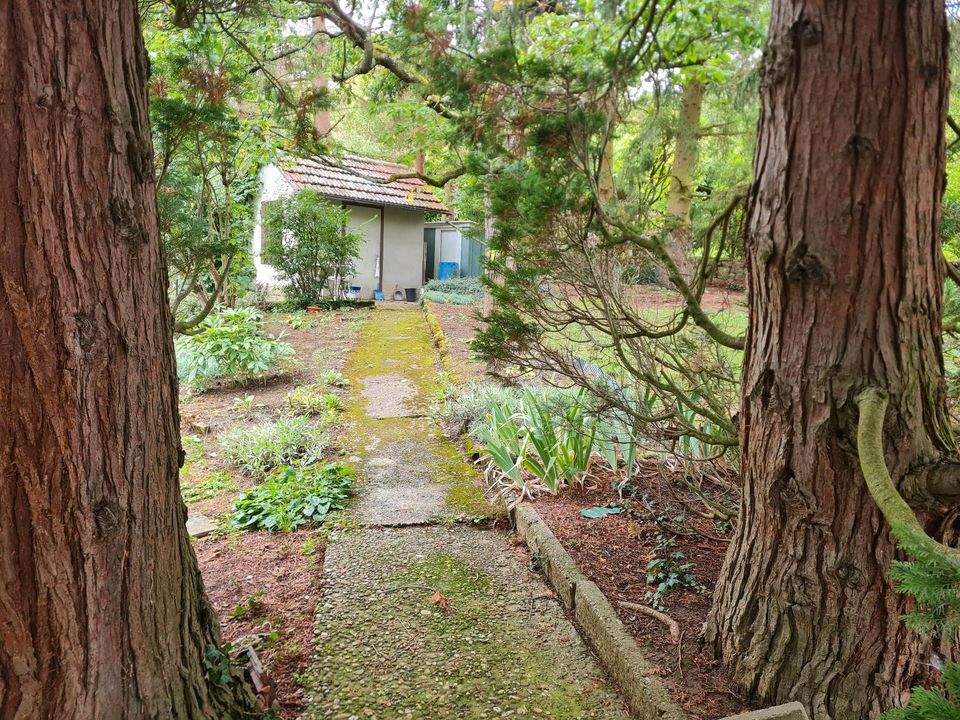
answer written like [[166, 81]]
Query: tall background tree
[[102, 610], [230, 90]]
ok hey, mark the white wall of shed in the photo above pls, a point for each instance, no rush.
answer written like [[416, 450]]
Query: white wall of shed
[[274, 187], [403, 250], [365, 221]]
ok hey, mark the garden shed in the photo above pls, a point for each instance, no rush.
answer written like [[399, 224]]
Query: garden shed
[[390, 217], [453, 249]]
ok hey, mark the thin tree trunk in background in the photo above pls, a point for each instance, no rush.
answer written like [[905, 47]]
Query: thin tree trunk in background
[[682, 174], [845, 278], [102, 609]]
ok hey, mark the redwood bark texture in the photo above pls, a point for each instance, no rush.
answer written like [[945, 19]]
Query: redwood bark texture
[[845, 280], [102, 609]]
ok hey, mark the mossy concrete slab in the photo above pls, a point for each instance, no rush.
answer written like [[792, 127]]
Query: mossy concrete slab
[[446, 623], [408, 473], [388, 395]]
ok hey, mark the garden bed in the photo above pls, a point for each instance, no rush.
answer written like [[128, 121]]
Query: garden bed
[[613, 551], [717, 296], [262, 585]]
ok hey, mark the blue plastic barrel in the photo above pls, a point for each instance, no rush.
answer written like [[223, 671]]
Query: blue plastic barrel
[[448, 271]]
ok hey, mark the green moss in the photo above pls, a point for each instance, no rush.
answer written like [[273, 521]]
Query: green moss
[[471, 658], [504, 649], [464, 493]]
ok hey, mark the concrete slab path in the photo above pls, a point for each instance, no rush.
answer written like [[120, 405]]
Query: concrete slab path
[[421, 616]]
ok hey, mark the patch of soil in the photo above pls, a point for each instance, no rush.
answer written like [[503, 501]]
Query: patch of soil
[[614, 551], [459, 325], [264, 588], [321, 343], [717, 296]]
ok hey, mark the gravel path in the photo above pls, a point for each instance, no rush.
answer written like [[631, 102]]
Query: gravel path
[[420, 617]]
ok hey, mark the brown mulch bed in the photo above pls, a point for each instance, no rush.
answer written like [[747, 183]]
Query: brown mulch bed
[[717, 296], [264, 588], [204, 416], [614, 551]]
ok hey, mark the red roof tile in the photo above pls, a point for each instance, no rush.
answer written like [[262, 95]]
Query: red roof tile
[[360, 179]]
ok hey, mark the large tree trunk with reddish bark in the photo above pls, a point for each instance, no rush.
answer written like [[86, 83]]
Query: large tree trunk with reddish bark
[[845, 281], [102, 609]]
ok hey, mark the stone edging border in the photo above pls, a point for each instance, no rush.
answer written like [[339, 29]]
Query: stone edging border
[[618, 651], [645, 694], [439, 339]]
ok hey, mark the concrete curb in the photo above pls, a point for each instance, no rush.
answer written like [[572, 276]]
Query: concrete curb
[[788, 711], [618, 652], [439, 340]]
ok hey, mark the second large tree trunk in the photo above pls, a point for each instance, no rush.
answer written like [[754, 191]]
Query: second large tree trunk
[[845, 281], [102, 610]]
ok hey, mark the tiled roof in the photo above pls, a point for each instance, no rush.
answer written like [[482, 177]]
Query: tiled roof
[[360, 179]]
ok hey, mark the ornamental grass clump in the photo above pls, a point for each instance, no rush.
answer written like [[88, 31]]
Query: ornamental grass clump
[[533, 446]]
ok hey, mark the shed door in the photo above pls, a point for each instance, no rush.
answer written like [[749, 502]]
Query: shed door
[[430, 263]]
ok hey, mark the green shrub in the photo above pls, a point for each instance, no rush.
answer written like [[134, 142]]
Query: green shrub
[[449, 298], [292, 497], [932, 703], [302, 321], [228, 344], [335, 379], [457, 291], [305, 240], [668, 570], [287, 441], [643, 274]]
